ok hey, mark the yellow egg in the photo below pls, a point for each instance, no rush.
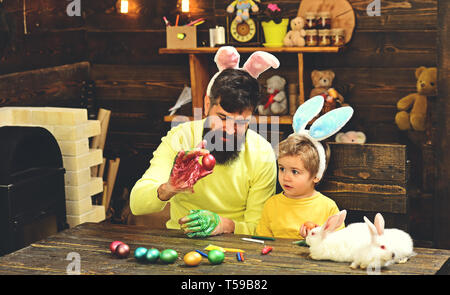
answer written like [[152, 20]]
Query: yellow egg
[[192, 258]]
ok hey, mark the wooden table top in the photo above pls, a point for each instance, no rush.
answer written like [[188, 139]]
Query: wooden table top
[[91, 241]]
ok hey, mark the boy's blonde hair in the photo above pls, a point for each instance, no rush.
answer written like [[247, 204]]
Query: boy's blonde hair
[[299, 145]]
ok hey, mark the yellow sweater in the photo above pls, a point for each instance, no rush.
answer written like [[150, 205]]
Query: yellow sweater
[[236, 191], [282, 217]]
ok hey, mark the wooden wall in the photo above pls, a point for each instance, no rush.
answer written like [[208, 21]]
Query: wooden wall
[[139, 85]]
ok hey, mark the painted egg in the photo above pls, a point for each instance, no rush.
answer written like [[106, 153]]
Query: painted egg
[[209, 162], [113, 246], [122, 251], [309, 225], [140, 253], [216, 256], [152, 255], [168, 256], [192, 258]]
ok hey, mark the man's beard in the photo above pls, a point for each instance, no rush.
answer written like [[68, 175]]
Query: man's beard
[[225, 152]]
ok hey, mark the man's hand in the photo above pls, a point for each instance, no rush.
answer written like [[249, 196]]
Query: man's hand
[[204, 223], [201, 223], [187, 170]]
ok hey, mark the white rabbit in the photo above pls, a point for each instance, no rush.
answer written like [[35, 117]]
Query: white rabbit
[[327, 244], [386, 246]]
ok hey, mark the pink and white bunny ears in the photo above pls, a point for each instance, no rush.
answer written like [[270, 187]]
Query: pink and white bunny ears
[[227, 57]]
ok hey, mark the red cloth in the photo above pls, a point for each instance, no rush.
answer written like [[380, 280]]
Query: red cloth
[[270, 100]]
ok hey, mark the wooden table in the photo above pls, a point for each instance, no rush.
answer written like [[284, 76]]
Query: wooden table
[[91, 241]]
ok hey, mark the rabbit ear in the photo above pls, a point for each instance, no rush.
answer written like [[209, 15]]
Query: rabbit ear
[[379, 223], [227, 57], [372, 228], [330, 123], [308, 110], [334, 222], [259, 62]]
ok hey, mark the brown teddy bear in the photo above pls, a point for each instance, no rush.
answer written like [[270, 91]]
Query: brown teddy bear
[[416, 118], [295, 37], [322, 82]]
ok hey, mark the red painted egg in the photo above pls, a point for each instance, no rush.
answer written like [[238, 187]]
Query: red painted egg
[[113, 246], [208, 162], [122, 251]]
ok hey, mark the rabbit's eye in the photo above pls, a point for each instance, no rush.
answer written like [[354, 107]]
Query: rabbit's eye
[[313, 233], [383, 247]]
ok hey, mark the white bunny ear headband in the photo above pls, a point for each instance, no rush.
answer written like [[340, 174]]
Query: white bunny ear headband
[[227, 57], [322, 128]]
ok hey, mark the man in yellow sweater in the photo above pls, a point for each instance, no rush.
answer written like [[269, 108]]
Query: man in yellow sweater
[[231, 198]]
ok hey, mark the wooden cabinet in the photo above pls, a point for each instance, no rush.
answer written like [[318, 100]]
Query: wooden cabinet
[[200, 58]]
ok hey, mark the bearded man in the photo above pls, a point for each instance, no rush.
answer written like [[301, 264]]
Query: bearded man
[[229, 198]]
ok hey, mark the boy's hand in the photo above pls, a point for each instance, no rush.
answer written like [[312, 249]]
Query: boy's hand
[[306, 227]]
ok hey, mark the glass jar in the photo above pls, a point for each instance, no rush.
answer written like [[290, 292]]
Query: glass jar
[[337, 37], [311, 21], [311, 38], [324, 38], [323, 20]]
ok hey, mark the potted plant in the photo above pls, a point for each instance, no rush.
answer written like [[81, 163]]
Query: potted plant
[[274, 25]]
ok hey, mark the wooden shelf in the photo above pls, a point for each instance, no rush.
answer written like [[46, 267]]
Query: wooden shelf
[[206, 50], [200, 59], [282, 120]]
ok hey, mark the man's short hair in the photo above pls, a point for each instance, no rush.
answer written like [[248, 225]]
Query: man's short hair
[[236, 91]]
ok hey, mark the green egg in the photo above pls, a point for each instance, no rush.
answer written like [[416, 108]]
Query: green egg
[[140, 253], [169, 256], [216, 256], [152, 255]]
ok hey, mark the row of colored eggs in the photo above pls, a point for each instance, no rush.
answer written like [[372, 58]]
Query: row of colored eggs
[[193, 258], [152, 255]]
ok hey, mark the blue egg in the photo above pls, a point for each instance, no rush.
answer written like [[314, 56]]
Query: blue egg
[[152, 255], [140, 253]]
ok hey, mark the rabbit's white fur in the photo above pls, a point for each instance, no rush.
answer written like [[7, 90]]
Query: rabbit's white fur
[[386, 246], [341, 246]]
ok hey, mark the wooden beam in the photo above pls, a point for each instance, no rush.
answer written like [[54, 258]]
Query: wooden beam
[[198, 65], [301, 84], [442, 191]]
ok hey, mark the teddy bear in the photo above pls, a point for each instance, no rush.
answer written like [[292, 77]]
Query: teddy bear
[[322, 82], [416, 118], [351, 137], [277, 103], [243, 7], [295, 37]]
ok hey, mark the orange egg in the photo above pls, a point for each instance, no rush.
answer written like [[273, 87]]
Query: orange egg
[[309, 225], [192, 258]]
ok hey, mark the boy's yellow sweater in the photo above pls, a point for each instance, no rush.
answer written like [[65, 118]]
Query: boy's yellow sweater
[[282, 217]]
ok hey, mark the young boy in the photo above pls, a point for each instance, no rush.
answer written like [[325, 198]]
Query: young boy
[[285, 213]]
